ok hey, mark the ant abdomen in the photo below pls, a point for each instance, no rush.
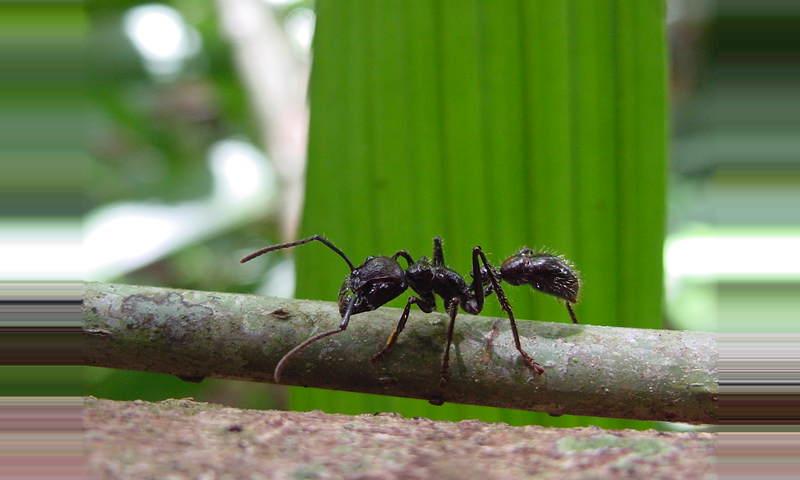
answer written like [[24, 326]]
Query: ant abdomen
[[550, 274]]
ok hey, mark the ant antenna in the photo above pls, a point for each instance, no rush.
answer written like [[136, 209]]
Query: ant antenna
[[281, 246], [342, 326]]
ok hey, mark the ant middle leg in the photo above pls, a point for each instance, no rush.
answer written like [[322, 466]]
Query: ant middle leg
[[438, 252], [452, 311], [506, 305], [423, 305]]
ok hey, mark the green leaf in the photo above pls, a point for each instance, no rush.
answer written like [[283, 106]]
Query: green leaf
[[501, 124]]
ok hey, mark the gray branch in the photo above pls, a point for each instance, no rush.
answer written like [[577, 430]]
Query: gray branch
[[590, 370]]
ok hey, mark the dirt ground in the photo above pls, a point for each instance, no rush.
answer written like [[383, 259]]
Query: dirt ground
[[178, 439]]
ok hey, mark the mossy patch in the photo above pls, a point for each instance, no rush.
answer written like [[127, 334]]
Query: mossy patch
[[641, 446]]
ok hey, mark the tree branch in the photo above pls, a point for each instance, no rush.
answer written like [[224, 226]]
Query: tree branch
[[590, 370]]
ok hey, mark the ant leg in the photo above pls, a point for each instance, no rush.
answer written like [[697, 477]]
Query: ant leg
[[422, 304], [452, 310], [475, 304], [571, 312], [501, 297], [404, 254], [438, 252], [299, 348], [280, 246]]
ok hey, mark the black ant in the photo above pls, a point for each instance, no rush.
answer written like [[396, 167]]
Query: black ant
[[381, 279]]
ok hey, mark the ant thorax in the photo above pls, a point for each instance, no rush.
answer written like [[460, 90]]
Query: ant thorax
[[420, 276]]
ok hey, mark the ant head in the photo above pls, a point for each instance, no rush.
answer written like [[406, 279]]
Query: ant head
[[347, 295], [372, 284], [420, 275]]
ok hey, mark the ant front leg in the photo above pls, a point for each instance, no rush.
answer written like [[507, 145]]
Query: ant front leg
[[474, 303], [299, 348], [404, 254], [452, 311], [423, 305], [504, 303]]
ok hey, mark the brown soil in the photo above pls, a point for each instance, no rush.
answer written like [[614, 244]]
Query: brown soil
[[178, 439]]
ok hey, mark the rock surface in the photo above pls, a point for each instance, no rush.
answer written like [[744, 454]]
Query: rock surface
[[178, 439]]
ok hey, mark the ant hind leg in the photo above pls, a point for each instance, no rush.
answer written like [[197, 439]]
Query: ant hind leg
[[504, 303], [571, 312], [452, 311]]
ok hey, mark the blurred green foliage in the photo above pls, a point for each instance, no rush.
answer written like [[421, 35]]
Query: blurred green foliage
[[150, 136], [149, 140], [502, 124]]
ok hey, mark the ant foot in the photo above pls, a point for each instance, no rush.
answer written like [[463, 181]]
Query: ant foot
[[535, 367], [377, 357]]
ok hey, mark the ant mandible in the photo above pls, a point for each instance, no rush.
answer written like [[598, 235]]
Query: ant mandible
[[381, 279]]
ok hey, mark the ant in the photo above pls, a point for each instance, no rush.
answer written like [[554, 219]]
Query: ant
[[381, 279]]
